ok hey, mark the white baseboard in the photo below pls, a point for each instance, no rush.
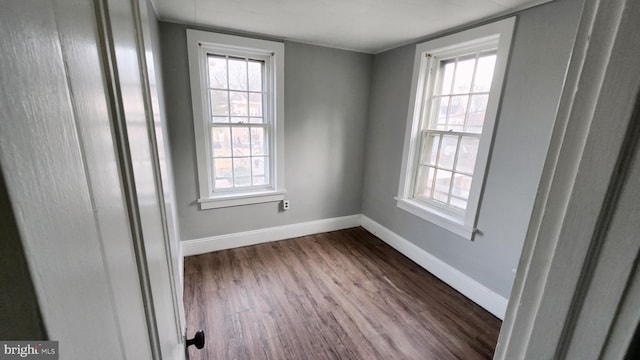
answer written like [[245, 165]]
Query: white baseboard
[[246, 238], [476, 292]]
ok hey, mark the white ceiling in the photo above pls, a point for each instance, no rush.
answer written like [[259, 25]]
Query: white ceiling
[[368, 26]]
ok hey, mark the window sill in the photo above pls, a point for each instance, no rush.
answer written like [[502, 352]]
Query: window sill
[[439, 218], [228, 200]]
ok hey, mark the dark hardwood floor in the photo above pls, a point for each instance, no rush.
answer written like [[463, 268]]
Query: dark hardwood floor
[[338, 295]]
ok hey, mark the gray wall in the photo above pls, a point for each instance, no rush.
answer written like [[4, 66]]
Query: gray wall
[[333, 98], [543, 41], [326, 103]]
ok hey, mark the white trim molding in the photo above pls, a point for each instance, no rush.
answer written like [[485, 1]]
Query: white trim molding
[[253, 237], [476, 292], [237, 199], [440, 218]]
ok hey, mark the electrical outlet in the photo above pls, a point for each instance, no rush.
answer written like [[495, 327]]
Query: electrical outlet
[[285, 204]]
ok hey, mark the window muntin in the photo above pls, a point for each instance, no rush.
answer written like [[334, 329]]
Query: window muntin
[[451, 129]]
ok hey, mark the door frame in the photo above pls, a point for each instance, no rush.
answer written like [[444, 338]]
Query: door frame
[[589, 164]]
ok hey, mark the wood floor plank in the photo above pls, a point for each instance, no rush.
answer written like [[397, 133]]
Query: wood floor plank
[[338, 295]]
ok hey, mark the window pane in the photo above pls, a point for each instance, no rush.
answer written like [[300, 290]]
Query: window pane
[[440, 196], [219, 102], [447, 151], [220, 141], [463, 76], [267, 171], [259, 180], [430, 149], [484, 73], [443, 182], [458, 203], [237, 74], [457, 113], [260, 170], [219, 119], [447, 77], [258, 165], [255, 75], [255, 120], [239, 120], [476, 113], [223, 173], [440, 109], [217, 71], [241, 172], [241, 141], [239, 103], [424, 182], [461, 186], [259, 142], [255, 104], [467, 154]]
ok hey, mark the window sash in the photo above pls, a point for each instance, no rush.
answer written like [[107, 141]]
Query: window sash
[[440, 87], [267, 156], [437, 89], [436, 165], [234, 121], [228, 89]]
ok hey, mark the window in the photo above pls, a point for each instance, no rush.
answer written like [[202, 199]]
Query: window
[[454, 100], [237, 89]]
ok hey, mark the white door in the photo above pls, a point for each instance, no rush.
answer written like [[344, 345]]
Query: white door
[[82, 166]]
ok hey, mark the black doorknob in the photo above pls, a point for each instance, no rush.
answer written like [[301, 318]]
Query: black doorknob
[[197, 340]]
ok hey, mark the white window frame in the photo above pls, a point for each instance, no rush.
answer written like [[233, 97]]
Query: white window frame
[[427, 55], [201, 43]]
